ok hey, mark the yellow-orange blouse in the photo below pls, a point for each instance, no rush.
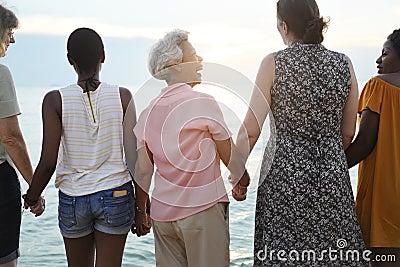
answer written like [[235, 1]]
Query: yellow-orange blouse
[[378, 190]]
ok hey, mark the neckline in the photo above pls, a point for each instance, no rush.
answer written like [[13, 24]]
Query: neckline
[[303, 45], [175, 89], [94, 80], [387, 83], [91, 91]]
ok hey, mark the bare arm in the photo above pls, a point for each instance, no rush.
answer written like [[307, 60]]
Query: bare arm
[[233, 160], [52, 127], [366, 138], [235, 163], [259, 107], [129, 123], [348, 126], [144, 169], [13, 142]]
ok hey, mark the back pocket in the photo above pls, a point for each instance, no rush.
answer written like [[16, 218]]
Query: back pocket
[[118, 211], [66, 211]]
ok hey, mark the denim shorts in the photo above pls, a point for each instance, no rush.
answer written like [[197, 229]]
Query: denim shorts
[[79, 216]]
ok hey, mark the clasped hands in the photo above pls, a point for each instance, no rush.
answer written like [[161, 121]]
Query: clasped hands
[[239, 190], [36, 207], [142, 224]]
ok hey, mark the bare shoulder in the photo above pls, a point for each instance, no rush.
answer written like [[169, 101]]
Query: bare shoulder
[[391, 78], [267, 67], [125, 94], [266, 72], [52, 101], [268, 60], [52, 97], [126, 98]]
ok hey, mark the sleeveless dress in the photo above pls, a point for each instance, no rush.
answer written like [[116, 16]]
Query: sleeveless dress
[[305, 213]]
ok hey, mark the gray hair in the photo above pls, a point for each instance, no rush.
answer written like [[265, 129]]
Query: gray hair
[[8, 20], [166, 52]]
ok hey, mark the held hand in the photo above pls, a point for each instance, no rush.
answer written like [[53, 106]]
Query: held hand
[[37, 207], [239, 191], [26, 206], [142, 224]]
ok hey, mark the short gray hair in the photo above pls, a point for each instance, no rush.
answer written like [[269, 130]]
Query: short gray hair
[[166, 52], [8, 20]]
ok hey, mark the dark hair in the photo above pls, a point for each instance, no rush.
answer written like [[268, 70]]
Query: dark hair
[[86, 48], [394, 38], [303, 19]]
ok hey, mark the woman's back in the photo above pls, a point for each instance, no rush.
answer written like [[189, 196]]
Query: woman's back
[[91, 152], [305, 201], [310, 90]]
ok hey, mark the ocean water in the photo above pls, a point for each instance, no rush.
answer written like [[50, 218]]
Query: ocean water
[[41, 243]]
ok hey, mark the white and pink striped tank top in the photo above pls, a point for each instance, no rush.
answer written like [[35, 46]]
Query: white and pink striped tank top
[[91, 156]]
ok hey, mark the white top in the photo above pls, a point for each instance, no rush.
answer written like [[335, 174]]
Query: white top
[[91, 156]]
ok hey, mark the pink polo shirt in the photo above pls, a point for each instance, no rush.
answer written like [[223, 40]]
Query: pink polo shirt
[[179, 127]]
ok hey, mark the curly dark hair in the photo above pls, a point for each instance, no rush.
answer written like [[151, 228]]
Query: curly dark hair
[[394, 38]]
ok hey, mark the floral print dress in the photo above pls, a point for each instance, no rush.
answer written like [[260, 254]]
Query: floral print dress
[[305, 213]]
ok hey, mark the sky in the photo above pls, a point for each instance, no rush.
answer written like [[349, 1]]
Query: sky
[[234, 33]]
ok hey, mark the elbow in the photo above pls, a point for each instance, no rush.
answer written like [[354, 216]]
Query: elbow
[[367, 143], [143, 180], [45, 170], [142, 174], [346, 142], [367, 148], [254, 134], [252, 138], [359, 150], [249, 132], [347, 137], [46, 167], [10, 141]]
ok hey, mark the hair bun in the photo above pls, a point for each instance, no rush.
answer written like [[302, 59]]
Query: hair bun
[[313, 33]]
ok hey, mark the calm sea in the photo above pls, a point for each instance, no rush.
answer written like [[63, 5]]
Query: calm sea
[[41, 243]]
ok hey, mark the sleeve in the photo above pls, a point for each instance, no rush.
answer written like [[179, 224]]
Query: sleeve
[[371, 96], [8, 98], [216, 123]]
